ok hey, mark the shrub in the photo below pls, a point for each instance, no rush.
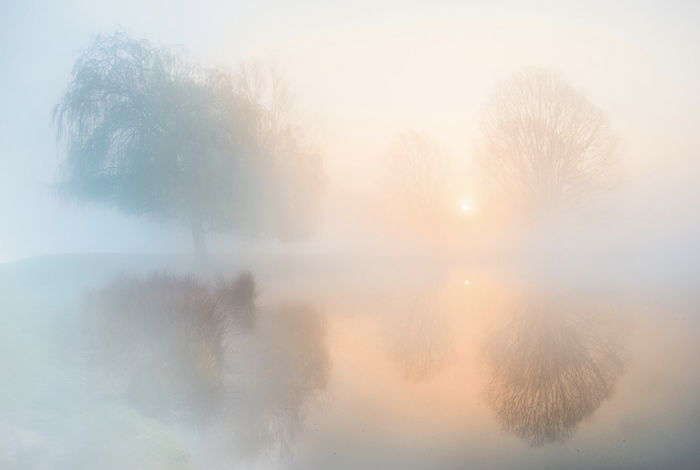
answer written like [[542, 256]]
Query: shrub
[[159, 341]]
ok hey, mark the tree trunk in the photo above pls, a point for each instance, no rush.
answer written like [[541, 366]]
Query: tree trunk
[[199, 238]]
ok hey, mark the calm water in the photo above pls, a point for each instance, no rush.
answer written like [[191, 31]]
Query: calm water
[[431, 369]]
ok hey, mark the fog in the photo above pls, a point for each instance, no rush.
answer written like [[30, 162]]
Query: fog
[[374, 235]]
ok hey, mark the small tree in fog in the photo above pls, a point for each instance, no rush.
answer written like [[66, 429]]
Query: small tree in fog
[[546, 146], [149, 132], [416, 179], [292, 167]]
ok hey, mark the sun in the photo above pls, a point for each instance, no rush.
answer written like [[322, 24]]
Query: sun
[[465, 207]]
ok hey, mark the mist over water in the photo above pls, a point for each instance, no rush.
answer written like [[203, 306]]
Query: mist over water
[[305, 236]]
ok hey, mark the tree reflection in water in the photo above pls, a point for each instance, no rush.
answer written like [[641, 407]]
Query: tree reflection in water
[[552, 367], [420, 343], [271, 378], [174, 352]]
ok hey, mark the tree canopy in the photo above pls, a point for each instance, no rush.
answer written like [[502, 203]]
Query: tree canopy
[[546, 146], [148, 131]]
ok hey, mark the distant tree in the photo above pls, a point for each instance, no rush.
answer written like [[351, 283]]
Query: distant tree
[[149, 132], [546, 146], [416, 179], [291, 165]]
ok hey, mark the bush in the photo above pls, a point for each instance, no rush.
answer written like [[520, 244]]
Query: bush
[[158, 341], [173, 347]]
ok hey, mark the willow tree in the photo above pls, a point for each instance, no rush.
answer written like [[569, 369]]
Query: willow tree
[[149, 132], [546, 146]]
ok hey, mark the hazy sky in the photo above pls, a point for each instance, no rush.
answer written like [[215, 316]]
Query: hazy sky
[[362, 71]]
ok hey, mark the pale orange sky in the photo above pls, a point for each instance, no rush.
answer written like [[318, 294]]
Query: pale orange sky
[[365, 85], [362, 71]]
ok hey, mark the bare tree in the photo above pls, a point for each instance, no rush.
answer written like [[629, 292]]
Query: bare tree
[[546, 146], [416, 179], [291, 164]]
